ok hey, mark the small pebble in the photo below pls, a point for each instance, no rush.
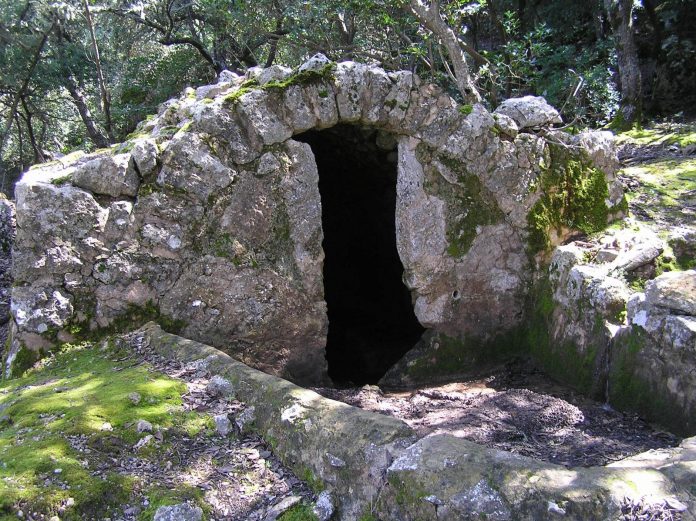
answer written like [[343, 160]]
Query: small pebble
[[143, 426]]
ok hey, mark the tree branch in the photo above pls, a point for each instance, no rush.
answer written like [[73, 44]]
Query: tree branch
[[429, 17]]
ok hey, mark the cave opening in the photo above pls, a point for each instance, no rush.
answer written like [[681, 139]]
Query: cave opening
[[371, 319]]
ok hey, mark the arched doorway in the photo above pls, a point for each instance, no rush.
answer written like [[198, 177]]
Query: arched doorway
[[371, 318]]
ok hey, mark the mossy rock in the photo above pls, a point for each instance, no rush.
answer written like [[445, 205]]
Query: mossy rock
[[574, 195]]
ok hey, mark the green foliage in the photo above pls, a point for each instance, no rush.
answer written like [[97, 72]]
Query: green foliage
[[555, 49], [548, 60]]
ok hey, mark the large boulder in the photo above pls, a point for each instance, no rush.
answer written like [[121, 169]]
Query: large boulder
[[529, 111]]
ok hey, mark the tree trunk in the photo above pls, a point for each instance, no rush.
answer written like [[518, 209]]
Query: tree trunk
[[620, 14], [22, 91], [105, 98], [429, 17], [35, 146], [521, 13], [95, 135]]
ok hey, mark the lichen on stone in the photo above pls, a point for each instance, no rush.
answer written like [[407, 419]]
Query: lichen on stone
[[469, 205]]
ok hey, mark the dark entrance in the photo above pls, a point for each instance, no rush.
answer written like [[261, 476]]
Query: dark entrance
[[371, 319]]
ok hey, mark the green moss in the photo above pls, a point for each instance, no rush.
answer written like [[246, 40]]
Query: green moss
[[574, 195], [306, 475], [390, 104], [136, 316], [168, 132], [162, 497], [469, 205], [62, 180], [299, 78], [94, 388], [303, 78], [466, 109], [245, 88], [146, 189], [666, 187], [682, 134], [138, 134], [185, 127], [23, 360], [447, 357], [300, 512], [630, 390], [564, 361], [619, 123], [132, 318]]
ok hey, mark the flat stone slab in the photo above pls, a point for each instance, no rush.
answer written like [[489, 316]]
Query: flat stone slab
[[374, 464]]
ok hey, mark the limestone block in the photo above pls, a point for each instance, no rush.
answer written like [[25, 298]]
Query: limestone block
[[315, 63], [350, 84], [273, 73], [529, 111], [260, 112], [673, 291], [144, 156], [190, 165], [108, 175]]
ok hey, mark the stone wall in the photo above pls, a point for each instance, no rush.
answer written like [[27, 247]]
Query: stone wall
[[373, 466], [209, 219], [634, 349]]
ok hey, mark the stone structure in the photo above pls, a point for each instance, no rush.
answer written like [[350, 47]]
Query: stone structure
[[634, 349], [209, 219], [374, 466]]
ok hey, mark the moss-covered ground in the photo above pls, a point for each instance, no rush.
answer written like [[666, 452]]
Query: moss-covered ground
[[53, 439], [70, 445], [681, 134], [668, 189]]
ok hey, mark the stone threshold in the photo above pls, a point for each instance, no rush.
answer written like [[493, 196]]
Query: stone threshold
[[375, 468]]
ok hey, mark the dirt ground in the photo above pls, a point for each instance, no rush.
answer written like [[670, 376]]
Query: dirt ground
[[517, 409], [241, 479]]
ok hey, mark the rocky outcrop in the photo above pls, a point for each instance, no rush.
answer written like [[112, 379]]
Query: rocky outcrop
[[209, 219], [634, 349]]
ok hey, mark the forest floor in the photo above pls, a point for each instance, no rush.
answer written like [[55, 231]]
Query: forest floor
[[98, 433], [517, 409], [659, 174]]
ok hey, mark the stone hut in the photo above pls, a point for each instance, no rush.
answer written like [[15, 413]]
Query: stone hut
[[243, 208]]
